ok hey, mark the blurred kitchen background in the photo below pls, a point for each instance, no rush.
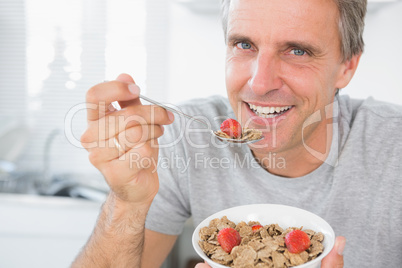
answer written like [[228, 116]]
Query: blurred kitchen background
[[52, 51]]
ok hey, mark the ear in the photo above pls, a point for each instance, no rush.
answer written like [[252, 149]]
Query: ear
[[347, 71]]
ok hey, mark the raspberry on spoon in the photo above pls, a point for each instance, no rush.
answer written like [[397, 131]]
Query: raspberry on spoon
[[232, 128]]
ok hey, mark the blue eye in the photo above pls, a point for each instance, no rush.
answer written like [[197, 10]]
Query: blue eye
[[298, 52], [242, 45]]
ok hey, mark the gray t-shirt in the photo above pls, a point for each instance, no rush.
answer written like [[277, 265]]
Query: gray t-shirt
[[358, 190]]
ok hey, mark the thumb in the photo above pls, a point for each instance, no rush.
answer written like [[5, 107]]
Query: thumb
[[125, 78], [202, 265], [335, 258]]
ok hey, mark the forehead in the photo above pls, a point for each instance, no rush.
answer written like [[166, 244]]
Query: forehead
[[308, 20]]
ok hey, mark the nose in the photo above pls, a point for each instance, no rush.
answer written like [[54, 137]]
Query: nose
[[265, 74]]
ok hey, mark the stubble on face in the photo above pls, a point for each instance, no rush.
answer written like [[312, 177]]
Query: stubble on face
[[270, 74]]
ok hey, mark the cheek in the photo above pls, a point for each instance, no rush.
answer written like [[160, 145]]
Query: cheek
[[300, 80], [236, 81], [237, 75], [310, 83]]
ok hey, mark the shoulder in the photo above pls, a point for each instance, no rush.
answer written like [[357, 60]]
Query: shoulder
[[381, 109], [370, 112], [371, 143], [371, 106], [371, 127]]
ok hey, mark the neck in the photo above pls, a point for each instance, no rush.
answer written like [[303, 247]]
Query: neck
[[299, 160]]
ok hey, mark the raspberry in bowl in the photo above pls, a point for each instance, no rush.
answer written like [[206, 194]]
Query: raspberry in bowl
[[263, 235]]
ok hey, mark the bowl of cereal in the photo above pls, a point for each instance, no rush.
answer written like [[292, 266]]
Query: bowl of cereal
[[263, 235]]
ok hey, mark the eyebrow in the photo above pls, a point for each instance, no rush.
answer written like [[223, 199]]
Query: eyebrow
[[238, 38], [304, 46], [313, 49]]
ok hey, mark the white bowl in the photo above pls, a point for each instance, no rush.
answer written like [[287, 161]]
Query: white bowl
[[284, 216]]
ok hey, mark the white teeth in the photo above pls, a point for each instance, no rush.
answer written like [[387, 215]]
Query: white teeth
[[268, 112]]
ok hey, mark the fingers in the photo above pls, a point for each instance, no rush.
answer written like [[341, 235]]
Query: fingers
[[125, 78], [123, 143], [202, 265], [129, 80], [335, 258], [116, 122], [125, 168], [100, 96], [134, 137]]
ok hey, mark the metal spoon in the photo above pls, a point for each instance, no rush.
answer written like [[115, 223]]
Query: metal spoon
[[241, 141]]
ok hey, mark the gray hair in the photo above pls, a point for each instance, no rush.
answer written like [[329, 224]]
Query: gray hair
[[351, 25]]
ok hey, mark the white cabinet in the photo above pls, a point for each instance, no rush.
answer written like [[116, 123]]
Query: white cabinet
[[37, 231]]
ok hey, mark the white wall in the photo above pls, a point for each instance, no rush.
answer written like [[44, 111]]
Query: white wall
[[44, 232], [197, 54], [380, 73]]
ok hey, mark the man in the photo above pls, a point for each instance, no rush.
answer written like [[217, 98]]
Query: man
[[336, 157]]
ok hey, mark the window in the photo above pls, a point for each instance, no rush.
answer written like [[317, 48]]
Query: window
[[52, 52]]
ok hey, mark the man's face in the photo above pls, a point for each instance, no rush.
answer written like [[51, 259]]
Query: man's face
[[283, 56]]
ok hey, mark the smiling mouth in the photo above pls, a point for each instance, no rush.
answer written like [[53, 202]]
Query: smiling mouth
[[268, 111]]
